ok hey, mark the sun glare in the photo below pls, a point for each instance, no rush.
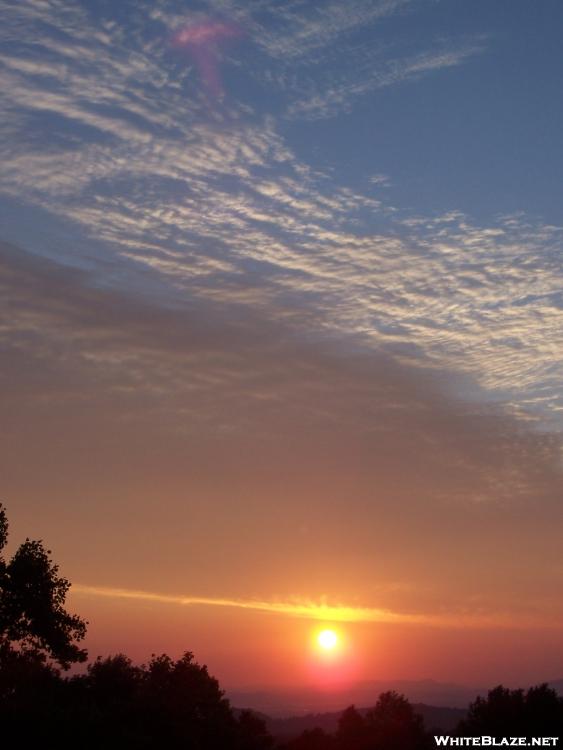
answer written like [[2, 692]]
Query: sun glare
[[327, 639]]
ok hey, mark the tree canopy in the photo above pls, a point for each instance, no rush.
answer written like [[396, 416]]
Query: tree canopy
[[536, 711], [392, 724], [32, 604], [114, 704]]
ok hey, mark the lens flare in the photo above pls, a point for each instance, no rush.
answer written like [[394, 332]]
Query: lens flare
[[203, 41]]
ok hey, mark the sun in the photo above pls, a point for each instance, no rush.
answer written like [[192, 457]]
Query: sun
[[327, 639]]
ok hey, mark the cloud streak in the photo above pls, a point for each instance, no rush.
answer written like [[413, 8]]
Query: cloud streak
[[340, 94], [320, 611]]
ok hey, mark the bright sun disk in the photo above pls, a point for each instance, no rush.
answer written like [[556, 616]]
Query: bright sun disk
[[327, 639]]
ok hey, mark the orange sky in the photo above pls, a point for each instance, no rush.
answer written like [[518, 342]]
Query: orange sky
[[188, 455]]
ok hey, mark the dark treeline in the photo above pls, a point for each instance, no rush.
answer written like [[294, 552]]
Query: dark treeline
[[114, 704], [394, 725], [165, 704], [171, 703]]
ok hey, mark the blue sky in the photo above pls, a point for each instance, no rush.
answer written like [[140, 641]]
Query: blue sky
[[392, 166]]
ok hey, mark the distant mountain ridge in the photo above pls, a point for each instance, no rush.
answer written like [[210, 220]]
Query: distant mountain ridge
[[301, 702], [283, 704]]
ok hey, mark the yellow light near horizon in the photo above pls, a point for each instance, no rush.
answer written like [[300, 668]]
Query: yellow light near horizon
[[327, 639]]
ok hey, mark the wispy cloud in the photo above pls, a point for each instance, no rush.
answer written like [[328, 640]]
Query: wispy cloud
[[304, 28], [322, 611], [331, 97], [240, 349]]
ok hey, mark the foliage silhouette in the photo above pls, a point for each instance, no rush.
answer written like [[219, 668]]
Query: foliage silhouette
[[392, 724], [253, 734], [537, 711], [312, 739], [32, 598], [115, 704], [352, 732]]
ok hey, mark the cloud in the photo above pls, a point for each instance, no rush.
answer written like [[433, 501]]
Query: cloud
[[438, 292], [339, 95], [239, 343], [361, 468], [310, 27], [216, 203], [322, 611]]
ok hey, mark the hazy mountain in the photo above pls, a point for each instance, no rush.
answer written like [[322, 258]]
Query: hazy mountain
[[292, 703]]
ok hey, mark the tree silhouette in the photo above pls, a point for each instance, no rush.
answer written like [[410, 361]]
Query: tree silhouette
[[392, 724], [30, 698], [352, 730], [252, 732], [312, 739], [115, 704], [186, 703], [504, 712], [167, 703], [32, 598]]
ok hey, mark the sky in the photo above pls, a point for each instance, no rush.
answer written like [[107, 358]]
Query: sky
[[281, 329]]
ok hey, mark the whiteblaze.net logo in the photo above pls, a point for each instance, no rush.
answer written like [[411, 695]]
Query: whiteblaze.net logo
[[488, 741]]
